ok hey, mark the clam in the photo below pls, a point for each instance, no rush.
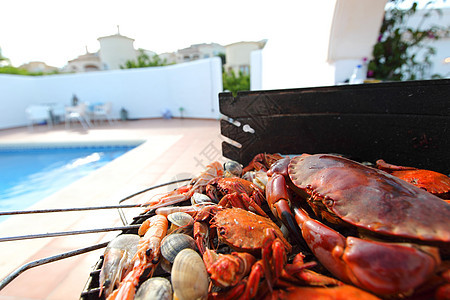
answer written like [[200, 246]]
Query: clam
[[172, 244], [232, 169], [189, 276], [180, 220], [165, 265], [198, 198], [157, 288]]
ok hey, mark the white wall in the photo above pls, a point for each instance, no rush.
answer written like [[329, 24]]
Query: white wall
[[144, 92], [295, 55], [16, 93], [256, 70]]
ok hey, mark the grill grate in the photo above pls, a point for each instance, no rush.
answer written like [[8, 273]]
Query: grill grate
[[92, 284]]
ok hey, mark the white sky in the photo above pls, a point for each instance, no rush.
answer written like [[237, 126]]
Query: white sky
[[57, 31]]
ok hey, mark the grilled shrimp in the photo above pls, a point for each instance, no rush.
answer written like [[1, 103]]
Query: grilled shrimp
[[146, 257], [117, 261], [197, 184]]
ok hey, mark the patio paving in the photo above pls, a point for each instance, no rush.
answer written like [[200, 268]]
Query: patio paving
[[172, 149]]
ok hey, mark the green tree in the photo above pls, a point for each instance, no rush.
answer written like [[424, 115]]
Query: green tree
[[234, 83], [8, 69], [403, 52], [144, 60], [223, 58]]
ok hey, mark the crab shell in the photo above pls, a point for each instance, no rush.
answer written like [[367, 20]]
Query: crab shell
[[369, 198], [433, 182], [245, 231]]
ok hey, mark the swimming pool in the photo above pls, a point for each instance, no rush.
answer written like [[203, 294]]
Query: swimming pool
[[27, 174]]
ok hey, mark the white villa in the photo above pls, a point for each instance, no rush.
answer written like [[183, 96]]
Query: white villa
[[238, 55], [116, 49]]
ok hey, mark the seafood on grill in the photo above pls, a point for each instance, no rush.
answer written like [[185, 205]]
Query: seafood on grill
[[259, 178], [189, 276], [242, 230], [228, 269], [181, 222], [236, 192], [173, 243], [262, 161], [117, 261], [189, 209], [248, 232], [146, 258], [158, 288], [436, 183], [344, 192], [198, 199], [232, 169], [355, 232], [343, 292], [197, 184]]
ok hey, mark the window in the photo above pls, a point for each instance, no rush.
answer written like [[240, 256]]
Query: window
[[244, 69], [88, 68]]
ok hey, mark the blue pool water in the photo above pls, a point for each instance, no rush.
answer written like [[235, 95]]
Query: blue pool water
[[29, 175]]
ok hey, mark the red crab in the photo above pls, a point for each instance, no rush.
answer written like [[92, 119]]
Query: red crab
[[433, 182], [342, 191], [248, 232], [236, 192], [262, 161]]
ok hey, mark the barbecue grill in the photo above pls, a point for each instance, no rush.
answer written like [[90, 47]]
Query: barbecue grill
[[404, 123]]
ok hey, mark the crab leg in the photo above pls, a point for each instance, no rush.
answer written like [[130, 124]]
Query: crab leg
[[227, 270], [279, 203], [394, 268], [243, 201]]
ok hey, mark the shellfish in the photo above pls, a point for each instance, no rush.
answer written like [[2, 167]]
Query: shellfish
[[189, 276], [172, 244], [157, 288], [181, 222], [117, 261]]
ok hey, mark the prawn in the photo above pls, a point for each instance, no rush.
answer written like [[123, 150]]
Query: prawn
[[197, 184], [146, 257]]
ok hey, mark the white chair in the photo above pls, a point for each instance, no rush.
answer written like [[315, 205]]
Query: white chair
[[58, 112], [78, 113], [38, 113], [102, 112]]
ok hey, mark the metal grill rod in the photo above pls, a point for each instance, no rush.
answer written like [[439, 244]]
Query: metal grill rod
[[51, 210], [46, 260], [64, 233]]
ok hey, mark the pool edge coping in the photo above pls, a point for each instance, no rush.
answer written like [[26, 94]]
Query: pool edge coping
[[69, 144]]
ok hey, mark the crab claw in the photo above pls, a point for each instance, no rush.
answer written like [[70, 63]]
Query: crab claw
[[201, 236], [228, 270], [395, 268], [278, 199]]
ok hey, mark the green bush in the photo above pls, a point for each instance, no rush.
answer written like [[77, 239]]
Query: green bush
[[18, 71], [403, 52], [234, 83], [144, 61]]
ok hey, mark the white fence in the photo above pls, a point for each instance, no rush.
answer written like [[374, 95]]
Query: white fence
[[190, 88]]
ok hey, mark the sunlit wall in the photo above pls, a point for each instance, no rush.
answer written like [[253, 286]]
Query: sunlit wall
[[145, 93]]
